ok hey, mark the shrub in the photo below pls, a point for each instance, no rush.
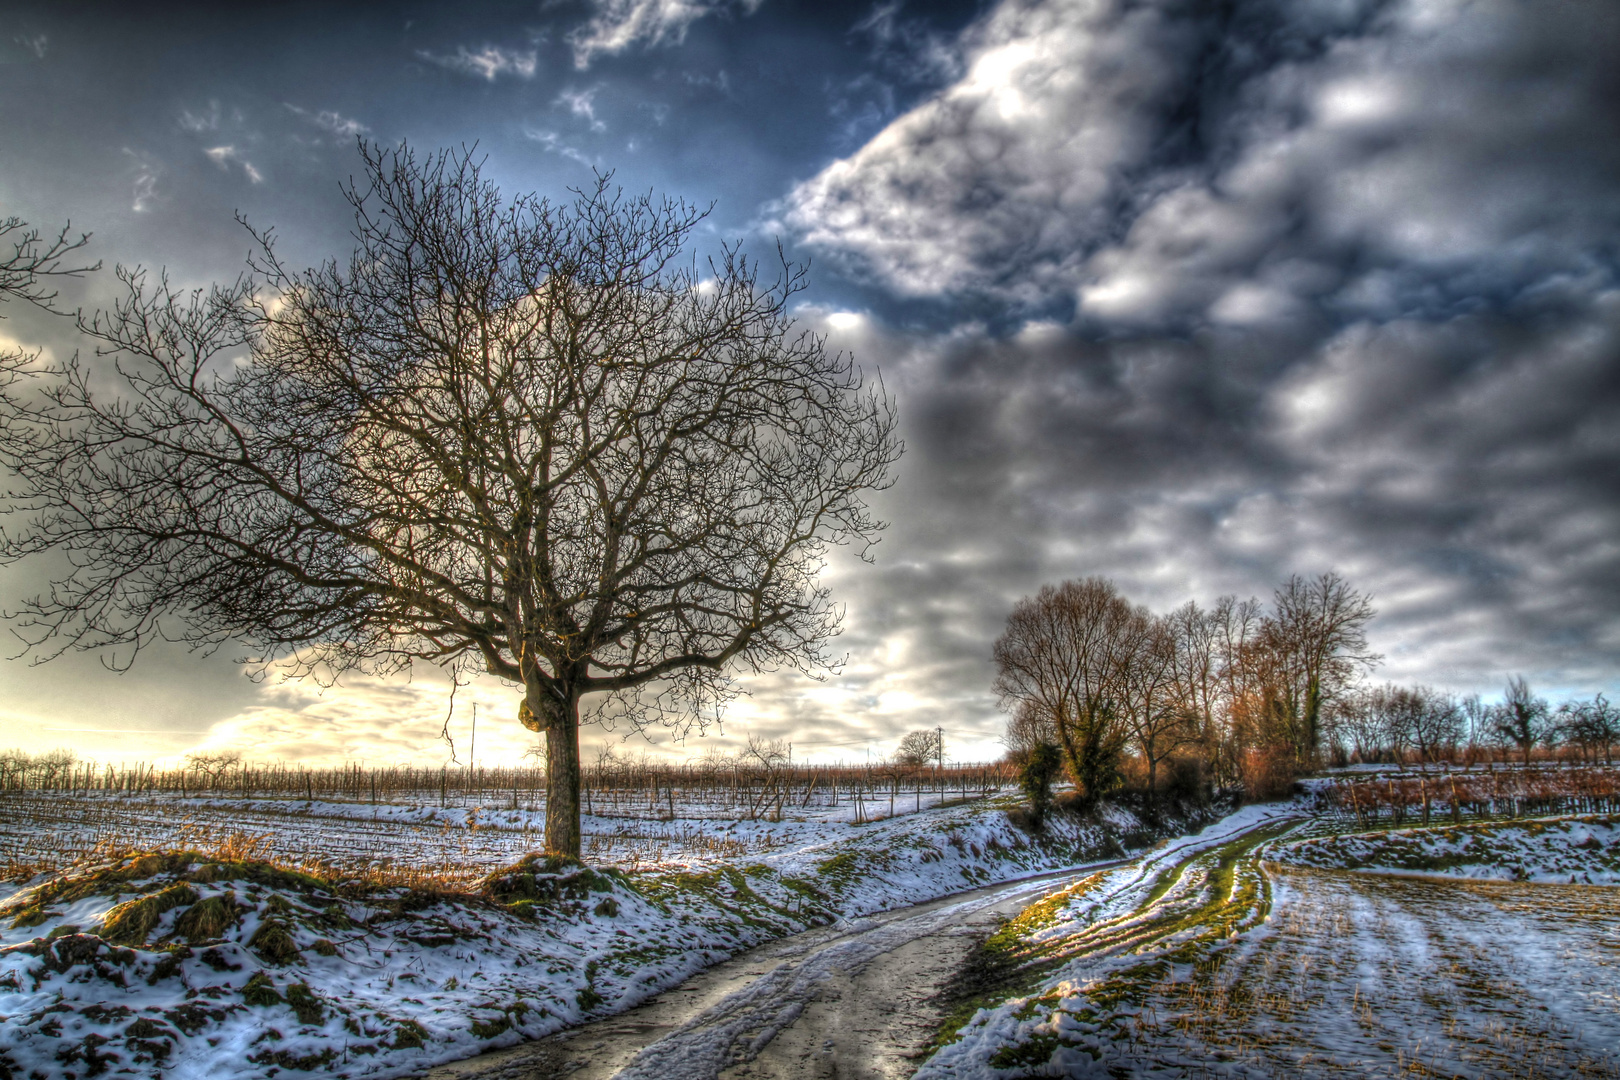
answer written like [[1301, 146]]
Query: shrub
[[1268, 773], [1187, 780], [1035, 778]]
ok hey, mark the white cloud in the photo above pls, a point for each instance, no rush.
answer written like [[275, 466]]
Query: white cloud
[[1159, 165], [226, 156], [147, 171], [199, 122], [553, 143], [1019, 164], [330, 120], [582, 104], [618, 24], [489, 62], [914, 50]]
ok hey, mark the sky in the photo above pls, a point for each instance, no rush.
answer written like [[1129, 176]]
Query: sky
[[1194, 296]]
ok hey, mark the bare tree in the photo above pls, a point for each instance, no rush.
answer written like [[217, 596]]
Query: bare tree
[[13, 768], [1029, 726], [214, 765], [1317, 634], [1436, 724], [1591, 725], [1476, 717], [1196, 670], [1161, 717], [919, 748], [503, 435], [1349, 722], [772, 758], [31, 271], [36, 261], [1238, 626], [50, 767], [1521, 718], [1064, 654]]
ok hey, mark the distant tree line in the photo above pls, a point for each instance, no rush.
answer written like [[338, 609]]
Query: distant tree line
[[1400, 724], [1242, 695], [762, 780]]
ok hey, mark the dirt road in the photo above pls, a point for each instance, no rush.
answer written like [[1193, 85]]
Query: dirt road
[[853, 1001]]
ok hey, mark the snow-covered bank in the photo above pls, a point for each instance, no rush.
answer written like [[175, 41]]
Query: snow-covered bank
[[187, 965], [1584, 851]]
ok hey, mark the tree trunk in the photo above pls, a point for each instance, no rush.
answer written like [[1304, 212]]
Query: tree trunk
[[1312, 724], [562, 780], [1066, 740]]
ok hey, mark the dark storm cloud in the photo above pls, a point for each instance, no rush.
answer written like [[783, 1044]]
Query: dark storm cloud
[[1336, 286], [1193, 296], [1156, 162]]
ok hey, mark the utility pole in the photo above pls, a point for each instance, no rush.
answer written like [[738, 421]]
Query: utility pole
[[472, 750]]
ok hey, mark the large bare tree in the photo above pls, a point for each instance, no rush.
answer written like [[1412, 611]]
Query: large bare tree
[[1316, 639], [1064, 657], [1521, 718], [1160, 702], [532, 439]]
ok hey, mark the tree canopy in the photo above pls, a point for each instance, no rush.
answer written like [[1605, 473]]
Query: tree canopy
[[538, 440]]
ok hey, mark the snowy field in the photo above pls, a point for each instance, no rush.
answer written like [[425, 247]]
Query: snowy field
[[1268, 956], [209, 963], [383, 939], [457, 844]]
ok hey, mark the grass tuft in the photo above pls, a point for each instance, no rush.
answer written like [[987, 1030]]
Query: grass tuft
[[130, 923], [207, 919], [274, 944]]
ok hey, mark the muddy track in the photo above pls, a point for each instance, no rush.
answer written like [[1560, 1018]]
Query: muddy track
[[1231, 967], [861, 1000], [853, 1000]]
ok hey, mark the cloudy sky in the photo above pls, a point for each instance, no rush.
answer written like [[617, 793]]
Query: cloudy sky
[[1194, 296]]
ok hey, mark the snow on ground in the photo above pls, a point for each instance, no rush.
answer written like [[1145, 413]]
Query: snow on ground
[[1569, 850], [1205, 962], [190, 965], [465, 840]]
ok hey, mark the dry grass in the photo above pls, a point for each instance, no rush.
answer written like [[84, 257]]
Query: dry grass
[[48, 833], [87, 835]]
